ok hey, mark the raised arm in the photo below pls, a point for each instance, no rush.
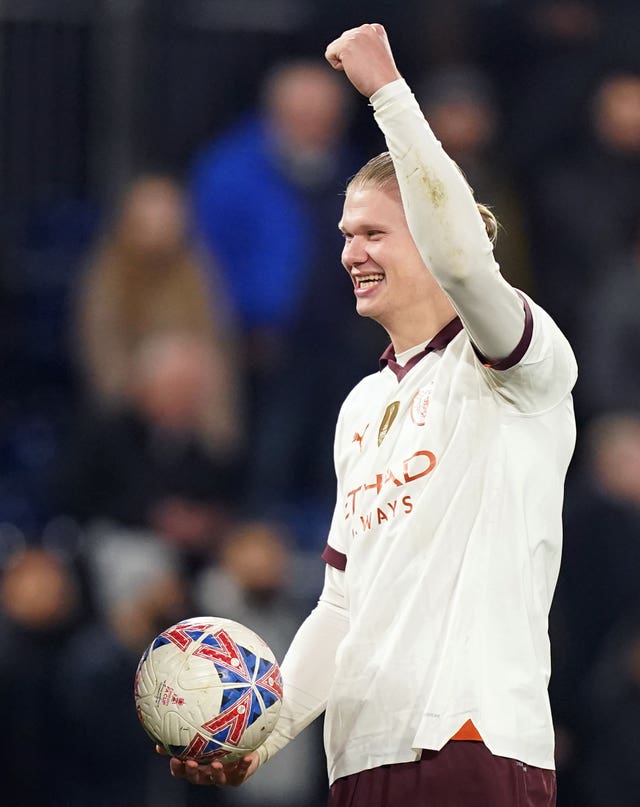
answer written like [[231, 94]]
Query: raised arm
[[439, 206]]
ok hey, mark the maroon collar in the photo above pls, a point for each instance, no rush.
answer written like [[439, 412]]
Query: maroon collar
[[439, 341]]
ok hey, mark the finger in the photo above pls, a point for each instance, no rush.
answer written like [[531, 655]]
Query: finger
[[332, 55], [177, 768], [196, 774], [233, 774], [379, 29], [207, 777], [238, 773], [162, 751], [217, 774]]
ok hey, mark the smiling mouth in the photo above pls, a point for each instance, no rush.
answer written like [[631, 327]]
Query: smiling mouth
[[368, 281]]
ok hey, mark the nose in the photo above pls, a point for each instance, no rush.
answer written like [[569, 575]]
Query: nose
[[353, 252]]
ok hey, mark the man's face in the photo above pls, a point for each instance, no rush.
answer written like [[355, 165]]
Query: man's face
[[389, 277]]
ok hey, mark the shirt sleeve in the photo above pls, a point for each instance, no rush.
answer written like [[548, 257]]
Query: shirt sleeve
[[546, 372], [309, 665], [447, 227]]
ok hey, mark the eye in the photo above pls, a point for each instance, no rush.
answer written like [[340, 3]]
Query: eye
[[347, 236], [374, 235]]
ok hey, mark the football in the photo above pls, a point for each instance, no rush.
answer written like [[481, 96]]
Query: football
[[208, 688]]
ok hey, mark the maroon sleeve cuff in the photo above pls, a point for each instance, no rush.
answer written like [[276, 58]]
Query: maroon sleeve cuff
[[334, 558], [520, 349]]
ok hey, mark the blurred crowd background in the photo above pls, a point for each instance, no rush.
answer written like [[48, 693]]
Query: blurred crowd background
[[176, 336]]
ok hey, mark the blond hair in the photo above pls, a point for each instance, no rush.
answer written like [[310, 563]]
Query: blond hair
[[381, 173]]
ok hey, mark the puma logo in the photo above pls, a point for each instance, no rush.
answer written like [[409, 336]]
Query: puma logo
[[358, 438]]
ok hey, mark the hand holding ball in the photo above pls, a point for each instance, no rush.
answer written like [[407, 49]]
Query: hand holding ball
[[208, 689]]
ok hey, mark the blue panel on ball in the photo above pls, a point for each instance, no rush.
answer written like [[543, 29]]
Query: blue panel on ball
[[256, 709], [249, 659], [268, 697], [228, 676], [221, 736], [159, 642], [263, 668], [231, 695], [211, 640]]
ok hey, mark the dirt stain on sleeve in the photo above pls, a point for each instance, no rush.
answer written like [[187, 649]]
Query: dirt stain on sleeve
[[434, 187]]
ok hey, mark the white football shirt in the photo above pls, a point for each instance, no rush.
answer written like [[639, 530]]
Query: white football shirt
[[448, 517]]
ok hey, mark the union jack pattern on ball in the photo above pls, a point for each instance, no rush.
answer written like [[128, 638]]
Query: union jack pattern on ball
[[208, 688]]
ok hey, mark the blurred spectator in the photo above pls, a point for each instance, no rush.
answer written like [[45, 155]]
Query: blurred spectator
[[541, 54], [587, 205], [610, 335], [145, 278], [39, 611], [139, 593], [460, 105], [610, 772], [267, 200], [153, 464], [551, 50], [598, 583], [259, 192], [250, 585]]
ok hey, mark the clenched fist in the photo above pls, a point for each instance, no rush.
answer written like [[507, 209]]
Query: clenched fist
[[365, 56]]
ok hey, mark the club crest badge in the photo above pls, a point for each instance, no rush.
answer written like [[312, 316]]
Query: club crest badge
[[420, 404], [387, 421]]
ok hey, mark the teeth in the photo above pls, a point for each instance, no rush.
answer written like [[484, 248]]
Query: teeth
[[365, 281]]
